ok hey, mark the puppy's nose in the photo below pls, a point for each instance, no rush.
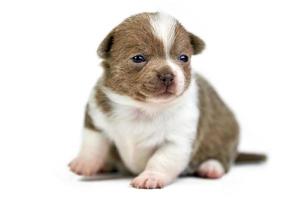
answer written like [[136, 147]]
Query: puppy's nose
[[167, 78]]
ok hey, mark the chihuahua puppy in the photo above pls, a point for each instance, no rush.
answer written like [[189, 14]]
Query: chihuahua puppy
[[150, 114]]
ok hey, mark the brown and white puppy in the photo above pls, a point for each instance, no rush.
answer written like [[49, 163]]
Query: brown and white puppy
[[150, 114]]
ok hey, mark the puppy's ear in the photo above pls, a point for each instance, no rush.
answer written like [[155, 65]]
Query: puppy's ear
[[104, 48], [197, 44]]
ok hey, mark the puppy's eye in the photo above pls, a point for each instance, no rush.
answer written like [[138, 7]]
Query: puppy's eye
[[138, 58], [183, 58]]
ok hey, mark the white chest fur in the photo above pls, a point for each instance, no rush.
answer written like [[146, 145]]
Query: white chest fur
[[138, 130]]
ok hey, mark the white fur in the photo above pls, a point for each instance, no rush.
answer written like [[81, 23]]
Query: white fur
[[211, 169], [179, 76], [163, 26], [92, 155], [155, 137], [94, 144]]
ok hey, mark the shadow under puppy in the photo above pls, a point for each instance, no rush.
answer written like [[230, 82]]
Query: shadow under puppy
[[150, 114]]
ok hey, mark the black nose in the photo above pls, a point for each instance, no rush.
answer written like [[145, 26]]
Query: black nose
[[167, 78]]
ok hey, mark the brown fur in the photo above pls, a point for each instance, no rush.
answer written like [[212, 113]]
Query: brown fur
[[131, 37], [101, 99], [197, 43], [218, 131], [134, 36], [243, 158]]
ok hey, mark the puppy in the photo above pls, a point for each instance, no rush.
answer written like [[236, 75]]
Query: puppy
[[150, 114]]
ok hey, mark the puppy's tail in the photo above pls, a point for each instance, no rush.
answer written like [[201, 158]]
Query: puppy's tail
[[244, 158]]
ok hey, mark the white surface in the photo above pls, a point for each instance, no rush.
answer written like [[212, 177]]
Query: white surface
[[48, 65]]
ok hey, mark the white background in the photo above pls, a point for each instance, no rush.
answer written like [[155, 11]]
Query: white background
[[48, 65]]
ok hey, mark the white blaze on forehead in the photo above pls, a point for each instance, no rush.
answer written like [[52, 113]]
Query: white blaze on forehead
[[163, 26]]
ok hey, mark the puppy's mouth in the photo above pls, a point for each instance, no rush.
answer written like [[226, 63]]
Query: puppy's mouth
[[164, 95], [166, 92]]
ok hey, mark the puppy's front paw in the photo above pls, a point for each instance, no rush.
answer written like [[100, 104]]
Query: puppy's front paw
[[149, 180], [85, 166]]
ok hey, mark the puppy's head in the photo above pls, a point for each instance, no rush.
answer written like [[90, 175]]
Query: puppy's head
[[147, 57]]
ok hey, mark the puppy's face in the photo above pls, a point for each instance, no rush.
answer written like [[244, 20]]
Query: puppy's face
[[147, 57]]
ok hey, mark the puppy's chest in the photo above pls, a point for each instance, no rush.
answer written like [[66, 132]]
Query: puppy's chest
[[137, 135]]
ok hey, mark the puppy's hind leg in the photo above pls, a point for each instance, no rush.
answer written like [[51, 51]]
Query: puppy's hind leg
[[211, 169]]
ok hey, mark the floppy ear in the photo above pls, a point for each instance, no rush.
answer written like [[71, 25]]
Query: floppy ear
[[104, 48], [197, 44]]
